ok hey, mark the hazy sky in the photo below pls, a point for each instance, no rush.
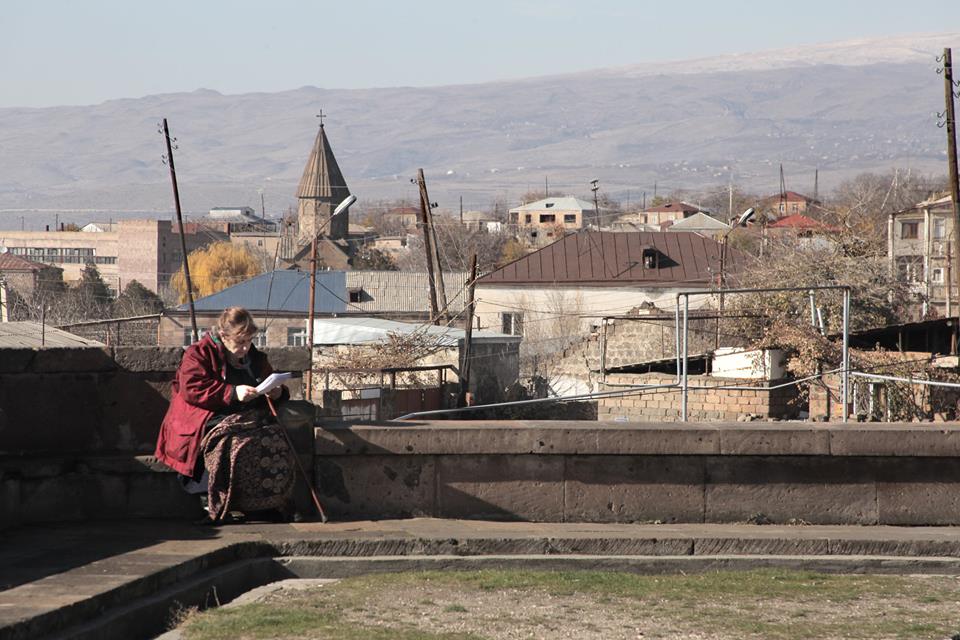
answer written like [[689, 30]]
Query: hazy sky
[[57, 52]]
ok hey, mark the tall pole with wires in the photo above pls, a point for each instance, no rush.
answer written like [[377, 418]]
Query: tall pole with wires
[[595, 186], [951, 125], [183, 239], [438, 297]]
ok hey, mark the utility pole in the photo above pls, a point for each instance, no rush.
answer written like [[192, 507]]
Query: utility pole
[[461, 210], [263, 209], [951, 124], [183, 238], [546, 187], [468, 332], [816, 184], [425, 220], [595, 186]]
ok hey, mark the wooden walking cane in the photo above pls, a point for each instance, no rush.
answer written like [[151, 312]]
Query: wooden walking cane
[[303, 472]]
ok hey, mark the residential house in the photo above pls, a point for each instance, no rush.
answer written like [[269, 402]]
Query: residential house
[[481, 221], [920, 248], [547, 220], [668, 212], [278, 300], [147, 251], [403, 295], [700, 223], [24, 276], [401, 218], [592, 274], [803, 229], [786, 204]]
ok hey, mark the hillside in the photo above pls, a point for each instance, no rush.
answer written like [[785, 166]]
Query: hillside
[[845, 108]]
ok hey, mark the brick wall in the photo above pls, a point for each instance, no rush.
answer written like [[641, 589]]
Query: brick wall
[[705, 401]]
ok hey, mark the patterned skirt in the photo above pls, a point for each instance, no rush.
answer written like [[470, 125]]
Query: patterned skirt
[[250, 464]]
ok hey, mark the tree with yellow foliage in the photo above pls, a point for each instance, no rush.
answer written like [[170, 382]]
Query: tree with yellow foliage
[[214, 268]]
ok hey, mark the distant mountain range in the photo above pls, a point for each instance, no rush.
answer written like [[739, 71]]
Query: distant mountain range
[[844, 108]]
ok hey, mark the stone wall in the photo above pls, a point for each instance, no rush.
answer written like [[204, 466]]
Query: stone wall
[[78, 427], [705, 401], [895, 474]]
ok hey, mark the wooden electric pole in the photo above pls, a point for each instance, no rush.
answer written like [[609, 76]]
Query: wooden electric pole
[[183, 238], [468, 332], [438, 297], [951, 124]]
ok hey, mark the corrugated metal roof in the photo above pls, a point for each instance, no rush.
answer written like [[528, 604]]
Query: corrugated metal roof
[[10, 262], [283, 291], [608, 258], [404, 291], [32, 335], [676, 205], [567, 203], [699, 220], [352, 331]]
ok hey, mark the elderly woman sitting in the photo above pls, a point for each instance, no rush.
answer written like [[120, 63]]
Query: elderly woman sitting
[[218, 433]]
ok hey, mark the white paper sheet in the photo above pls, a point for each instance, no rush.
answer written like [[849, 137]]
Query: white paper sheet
[[272, 381]]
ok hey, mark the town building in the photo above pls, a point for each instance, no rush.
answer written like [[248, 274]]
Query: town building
[[147, 251], [547, 220], [673, 211], [322, 187], [787, 203], [920, 249]]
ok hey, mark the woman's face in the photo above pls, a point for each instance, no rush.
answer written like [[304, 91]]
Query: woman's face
[[238, 346]]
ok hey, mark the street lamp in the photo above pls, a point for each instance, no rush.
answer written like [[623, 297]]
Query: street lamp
[[741, 221], [343, 206]]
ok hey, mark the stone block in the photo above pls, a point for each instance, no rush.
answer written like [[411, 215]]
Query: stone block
[[64, 359], [292, 359], [919, 491], [765, 440], [148, 359], [132, 410], [50, 412], [672, 439], [502, 487], [16, 360], [159, 495], [895, 440], [783, 488], [634, 489], [9, 502], [375, 486], [56, 499]]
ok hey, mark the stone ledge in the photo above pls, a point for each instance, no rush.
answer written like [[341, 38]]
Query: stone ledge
[[636, 438]]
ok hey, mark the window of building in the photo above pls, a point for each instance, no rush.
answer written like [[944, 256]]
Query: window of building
[[296, 337], [187, 336], [939, 228], [795, 207], [910, 268], [909, 230], [936, 275], [547, 218], [511, 323], [528, 218], [356, 295], [570, 218], [260, 340]]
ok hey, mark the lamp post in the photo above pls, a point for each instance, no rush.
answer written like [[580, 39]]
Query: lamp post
[[343, 206], [741, 221]]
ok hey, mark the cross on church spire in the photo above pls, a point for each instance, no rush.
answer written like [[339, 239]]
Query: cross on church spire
[[321, 116]]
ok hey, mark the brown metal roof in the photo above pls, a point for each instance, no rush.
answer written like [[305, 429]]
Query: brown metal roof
[[605, 258], [10, 262], [31, 335]]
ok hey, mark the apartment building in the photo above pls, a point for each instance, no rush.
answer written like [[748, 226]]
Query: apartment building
[[147, 251], [920, 247]]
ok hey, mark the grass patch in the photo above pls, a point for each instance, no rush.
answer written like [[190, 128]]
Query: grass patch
[[766, 603]]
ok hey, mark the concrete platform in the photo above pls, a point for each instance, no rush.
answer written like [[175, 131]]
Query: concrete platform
[[122, 579]]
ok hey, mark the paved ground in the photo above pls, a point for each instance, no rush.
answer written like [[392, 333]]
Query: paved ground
[[125, 574]]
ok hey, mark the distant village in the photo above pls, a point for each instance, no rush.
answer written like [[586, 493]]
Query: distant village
[[561, 296]]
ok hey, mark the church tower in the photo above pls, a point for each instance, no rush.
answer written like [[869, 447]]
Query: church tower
[[321, 189]]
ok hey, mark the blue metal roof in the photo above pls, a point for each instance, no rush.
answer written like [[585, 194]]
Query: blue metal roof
[[280, 291]]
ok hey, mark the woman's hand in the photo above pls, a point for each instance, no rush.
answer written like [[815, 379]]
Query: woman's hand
[[275, 393], [246, 393]]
